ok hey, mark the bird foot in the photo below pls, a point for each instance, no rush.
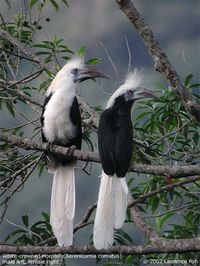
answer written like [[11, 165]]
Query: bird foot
[[71, 150], [49, 146]]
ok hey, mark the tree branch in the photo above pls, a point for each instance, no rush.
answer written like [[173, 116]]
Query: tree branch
[[159, 190], [162, 63], [172, 171], [148, 231], [94, 118], [29, 56], [32, 57], [162, 246]]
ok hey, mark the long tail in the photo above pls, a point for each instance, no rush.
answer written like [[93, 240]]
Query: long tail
[[121, 200], [111, 210], [63, 204]]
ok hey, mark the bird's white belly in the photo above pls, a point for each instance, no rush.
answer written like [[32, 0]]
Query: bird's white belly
[[57, 123]]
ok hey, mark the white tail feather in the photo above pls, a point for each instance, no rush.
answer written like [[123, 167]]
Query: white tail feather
[[104, 219], [120, 208], [111, 210], [63, 204]]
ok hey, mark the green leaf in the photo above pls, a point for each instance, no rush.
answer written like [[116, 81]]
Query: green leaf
[[161, 220], [45, 216], [194, 85], [9, 106], [12, 234], [188, 79], [42, 45], [25, 220], [93, 61], [8, 3], [65, 2], [33, 2], [142, 114], [154, 204], [41, 53], [81, 51], [56, 6]]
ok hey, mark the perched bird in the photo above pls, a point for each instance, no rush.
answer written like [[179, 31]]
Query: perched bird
[[115, 137], [61, 125]]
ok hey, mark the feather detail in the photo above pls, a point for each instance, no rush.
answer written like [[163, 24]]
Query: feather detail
[[121, 193], [64, 78], [133, 80], [104, 219], [63, 204], [111, 210]]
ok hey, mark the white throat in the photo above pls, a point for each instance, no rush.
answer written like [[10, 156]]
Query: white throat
[[57, 122]]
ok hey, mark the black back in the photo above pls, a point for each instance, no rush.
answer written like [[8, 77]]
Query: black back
[[115, 135]]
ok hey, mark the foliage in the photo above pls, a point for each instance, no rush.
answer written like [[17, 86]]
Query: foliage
[[167, 134], [31, 234]]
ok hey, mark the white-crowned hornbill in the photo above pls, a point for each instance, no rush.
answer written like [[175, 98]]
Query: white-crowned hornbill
[[115, 137], [61, 125]]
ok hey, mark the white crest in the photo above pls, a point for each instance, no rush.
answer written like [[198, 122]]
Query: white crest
[[132, 81], [64, 76]]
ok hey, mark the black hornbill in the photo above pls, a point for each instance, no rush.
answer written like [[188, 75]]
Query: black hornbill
[[115, 138]]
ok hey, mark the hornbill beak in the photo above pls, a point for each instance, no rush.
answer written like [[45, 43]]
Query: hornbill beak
[[89, 73], [143, 92]]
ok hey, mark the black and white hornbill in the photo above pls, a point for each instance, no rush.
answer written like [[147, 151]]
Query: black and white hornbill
[[61, 125], [115, 138]]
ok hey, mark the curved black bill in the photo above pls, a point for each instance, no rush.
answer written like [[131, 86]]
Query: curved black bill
[[90, 73]]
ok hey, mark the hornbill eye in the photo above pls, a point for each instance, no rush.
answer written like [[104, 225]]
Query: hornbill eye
[[130, 93], [75, 71]]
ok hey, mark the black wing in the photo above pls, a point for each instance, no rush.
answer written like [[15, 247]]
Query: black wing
[[75, 117], [123, 146], [106, 140], [46, 100]]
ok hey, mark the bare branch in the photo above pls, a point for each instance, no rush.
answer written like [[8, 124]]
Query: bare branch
[[148, 231], [94, 118], [6, 201], [159, 190], [162, 63], [27, 79], [17, 55], [163, 246], [175, 171], [110, 59], [29, 56]]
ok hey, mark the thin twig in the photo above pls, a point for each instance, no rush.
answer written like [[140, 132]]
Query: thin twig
[[160, 190], [129, 55], [186, 206], [27, 78], [18, 55], [162, 63], [175, 171], [110, 59], [6, 201]]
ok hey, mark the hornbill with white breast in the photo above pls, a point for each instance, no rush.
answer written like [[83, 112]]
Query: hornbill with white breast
[[61, 125], [115, 138]]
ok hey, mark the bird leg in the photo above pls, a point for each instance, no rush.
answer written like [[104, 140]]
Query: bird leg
[[49, 146], [70, 151]]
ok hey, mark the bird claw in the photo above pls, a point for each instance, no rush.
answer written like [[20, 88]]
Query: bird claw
[[71, 150], [49, 146]]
